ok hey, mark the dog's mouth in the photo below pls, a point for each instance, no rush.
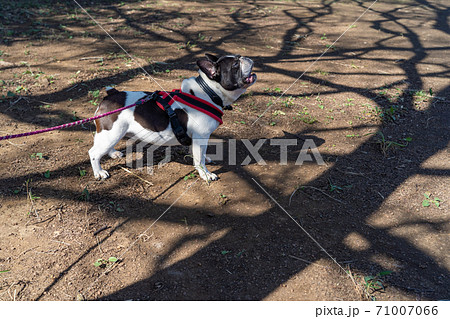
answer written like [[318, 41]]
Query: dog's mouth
[[250, 79]]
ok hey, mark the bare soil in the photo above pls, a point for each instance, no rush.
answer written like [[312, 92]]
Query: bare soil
[[376, 105]]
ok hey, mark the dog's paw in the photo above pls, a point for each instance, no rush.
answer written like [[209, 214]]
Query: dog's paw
[[115, 154], [207, 176], [101, 174]]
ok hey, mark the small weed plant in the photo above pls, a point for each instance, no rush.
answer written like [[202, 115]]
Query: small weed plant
[[375, 283], [387, 145], [102, 263], [429, 200]]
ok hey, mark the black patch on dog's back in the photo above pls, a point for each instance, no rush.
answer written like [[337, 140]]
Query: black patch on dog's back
[[113, 101], [150, 116]]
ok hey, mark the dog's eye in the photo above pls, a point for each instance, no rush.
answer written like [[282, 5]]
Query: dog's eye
[[236, 64]]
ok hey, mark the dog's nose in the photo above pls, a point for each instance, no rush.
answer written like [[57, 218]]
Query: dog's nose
[[246, 60]]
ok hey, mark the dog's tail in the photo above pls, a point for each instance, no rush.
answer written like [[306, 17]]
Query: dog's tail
[[111, 91]]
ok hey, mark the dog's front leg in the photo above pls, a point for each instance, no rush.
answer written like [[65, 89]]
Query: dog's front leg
[[199, 146]]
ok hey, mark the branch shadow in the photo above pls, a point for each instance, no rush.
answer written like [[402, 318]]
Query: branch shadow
[[258, 247]]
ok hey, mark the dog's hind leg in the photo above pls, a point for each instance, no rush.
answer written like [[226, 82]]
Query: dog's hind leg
[[104, 143]]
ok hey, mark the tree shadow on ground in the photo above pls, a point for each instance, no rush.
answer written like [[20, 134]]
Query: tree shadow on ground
[[260, 246], [270, 238]]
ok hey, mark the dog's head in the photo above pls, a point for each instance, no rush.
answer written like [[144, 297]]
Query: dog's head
[[232, 72]]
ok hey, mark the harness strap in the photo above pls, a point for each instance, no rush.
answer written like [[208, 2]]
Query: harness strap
[[194, 102], [177, 128], [165, 100]]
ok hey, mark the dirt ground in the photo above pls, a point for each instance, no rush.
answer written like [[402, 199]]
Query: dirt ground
[[376, 105]]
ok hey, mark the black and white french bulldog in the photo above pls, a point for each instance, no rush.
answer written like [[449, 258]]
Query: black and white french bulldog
[[228, 77]]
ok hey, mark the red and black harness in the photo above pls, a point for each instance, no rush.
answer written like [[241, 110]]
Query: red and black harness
[[165, 100]]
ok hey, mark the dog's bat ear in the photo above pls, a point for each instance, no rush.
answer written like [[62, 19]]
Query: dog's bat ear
[[211, 57], [208, 67]]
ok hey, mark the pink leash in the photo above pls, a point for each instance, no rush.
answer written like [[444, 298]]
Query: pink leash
[[59, 127]]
